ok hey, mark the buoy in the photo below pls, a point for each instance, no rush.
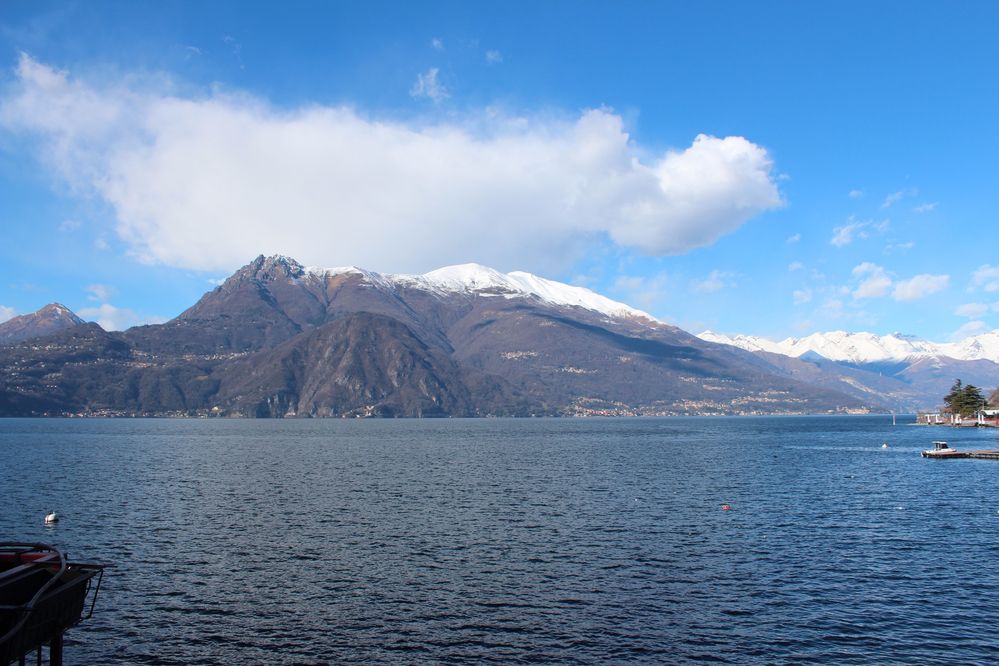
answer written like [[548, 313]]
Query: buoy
[[726, 507], [51, 517], [885, 445]]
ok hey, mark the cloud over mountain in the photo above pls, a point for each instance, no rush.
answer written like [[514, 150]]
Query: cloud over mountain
[[203, 181]]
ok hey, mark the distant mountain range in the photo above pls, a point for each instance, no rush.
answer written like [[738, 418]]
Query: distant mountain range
[[911, 373], [277, 339], [866, 347]]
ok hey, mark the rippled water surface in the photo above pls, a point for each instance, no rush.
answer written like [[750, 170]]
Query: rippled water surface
[[511, 541]]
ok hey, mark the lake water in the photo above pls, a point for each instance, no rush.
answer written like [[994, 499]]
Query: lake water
[[512, 541]]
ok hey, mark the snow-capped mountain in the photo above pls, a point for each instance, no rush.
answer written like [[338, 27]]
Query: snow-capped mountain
[[867, 347], [485, 281]]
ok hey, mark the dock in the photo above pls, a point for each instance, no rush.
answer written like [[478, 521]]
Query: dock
[[941, 451]]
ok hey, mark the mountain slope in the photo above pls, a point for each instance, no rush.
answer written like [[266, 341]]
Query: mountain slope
[[49, 319], [278, 339]]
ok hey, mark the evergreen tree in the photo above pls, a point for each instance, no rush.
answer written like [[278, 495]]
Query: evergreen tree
[[952, 398]]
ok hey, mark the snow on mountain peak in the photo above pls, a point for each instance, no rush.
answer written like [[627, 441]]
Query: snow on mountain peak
[[485, 281], [866, 347]]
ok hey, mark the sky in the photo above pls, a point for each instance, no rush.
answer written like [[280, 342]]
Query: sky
[[773, 169]]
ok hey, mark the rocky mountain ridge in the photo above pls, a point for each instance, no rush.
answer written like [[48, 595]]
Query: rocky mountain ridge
[[49, 319], [277, 339]]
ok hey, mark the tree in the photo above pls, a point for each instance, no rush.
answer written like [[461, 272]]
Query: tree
[[952, 398], [994, 399]]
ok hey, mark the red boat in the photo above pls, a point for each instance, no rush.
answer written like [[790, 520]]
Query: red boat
[[41, 596]]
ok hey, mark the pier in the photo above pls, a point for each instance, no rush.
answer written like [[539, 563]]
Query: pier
[[941, 451]]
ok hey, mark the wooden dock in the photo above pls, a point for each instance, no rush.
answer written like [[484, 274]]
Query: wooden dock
[[951, 454]]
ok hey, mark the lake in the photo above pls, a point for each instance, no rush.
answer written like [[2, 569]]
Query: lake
[[515, 541]]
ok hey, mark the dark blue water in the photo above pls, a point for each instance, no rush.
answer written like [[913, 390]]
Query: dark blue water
[[571, 541]]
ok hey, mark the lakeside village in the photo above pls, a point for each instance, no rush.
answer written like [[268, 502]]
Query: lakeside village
[[965, 407]]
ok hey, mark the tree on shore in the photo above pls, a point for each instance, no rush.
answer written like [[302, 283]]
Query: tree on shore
[[965, 399]]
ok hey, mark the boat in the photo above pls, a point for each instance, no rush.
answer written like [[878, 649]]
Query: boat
[[942, 450], [42, 595]]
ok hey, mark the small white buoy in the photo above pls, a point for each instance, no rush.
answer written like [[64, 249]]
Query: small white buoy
[[885, 445], [51, 517]]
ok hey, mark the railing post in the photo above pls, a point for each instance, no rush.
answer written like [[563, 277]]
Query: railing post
[[55, 650]]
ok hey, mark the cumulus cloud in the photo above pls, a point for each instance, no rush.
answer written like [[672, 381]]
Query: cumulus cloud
[[793, 238], [429, 87], [494, 57], [802, 296], [208, 182], [971, 310], [856, 194], [926, 207], [437, 44], [112, 318], [874, 281], [920, 286], [795, 266], [6, 313], [986, 277]]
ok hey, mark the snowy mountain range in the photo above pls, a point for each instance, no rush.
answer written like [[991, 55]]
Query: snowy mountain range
[[863, 348]]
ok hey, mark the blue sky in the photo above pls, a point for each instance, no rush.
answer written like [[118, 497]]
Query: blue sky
[[765, 168]]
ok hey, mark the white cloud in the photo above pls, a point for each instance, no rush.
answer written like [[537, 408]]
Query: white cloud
[[844, 235], [112, 318], [926, 207], [99, 292], [209, 182], [437, 44], [968, 330], [856, 194], [902, 247], [892, 199], [715, 281], [874, 281], [971, 310], [494, 57], [795, 266], [69, 225], [794, 238], [6, 313], [802, 296], [101, 244], [986, 277], [429, 87], [920, 286]]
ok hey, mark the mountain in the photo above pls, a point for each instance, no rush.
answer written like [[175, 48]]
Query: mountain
[[51, 318], [279, 339], [863, 348], [907, 373]]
